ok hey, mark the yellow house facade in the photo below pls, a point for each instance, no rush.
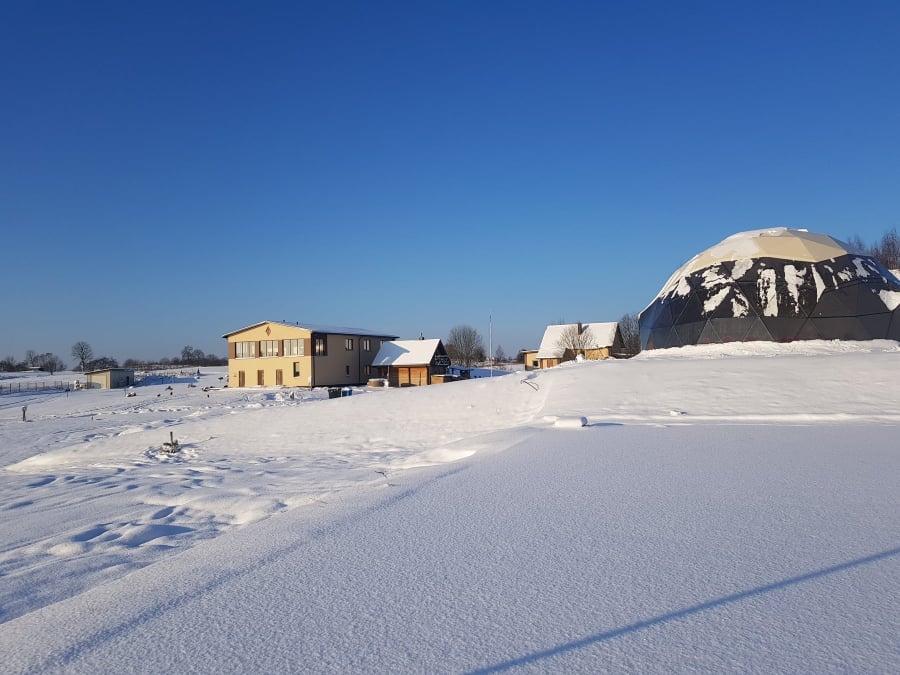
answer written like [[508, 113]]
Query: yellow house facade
[[276, 353]]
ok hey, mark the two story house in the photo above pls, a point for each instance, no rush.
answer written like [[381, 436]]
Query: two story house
[[277, 353]]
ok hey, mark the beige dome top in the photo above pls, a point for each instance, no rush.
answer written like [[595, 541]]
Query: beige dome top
[[776, 242]]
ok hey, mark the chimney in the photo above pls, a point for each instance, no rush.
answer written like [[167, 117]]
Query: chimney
[[580, 329]]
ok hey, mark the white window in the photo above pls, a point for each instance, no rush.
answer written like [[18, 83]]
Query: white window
[[245, 350], [293, 347]]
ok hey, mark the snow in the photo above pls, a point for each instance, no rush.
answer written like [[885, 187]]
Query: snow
[[710, 509], [406, 352]]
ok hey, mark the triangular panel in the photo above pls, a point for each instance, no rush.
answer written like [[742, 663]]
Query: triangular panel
[[838, 302], [708, 335], [783, 329], [732, 330], [876, 325], [868, 301], [840, 328], [692, 311], [757, 331], [688, 333]]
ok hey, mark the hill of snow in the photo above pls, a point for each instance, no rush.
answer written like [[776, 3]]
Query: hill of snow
[[712, 509]]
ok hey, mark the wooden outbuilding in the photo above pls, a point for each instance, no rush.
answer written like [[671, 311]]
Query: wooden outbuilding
[[110, 378], [411, 363]]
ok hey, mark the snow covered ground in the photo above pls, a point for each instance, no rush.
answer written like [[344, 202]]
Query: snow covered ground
[[727, 508]]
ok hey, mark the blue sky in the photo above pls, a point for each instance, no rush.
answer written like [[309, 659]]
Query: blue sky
[[173, 171]]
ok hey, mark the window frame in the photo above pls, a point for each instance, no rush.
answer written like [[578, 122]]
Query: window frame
[[268, 348], [245, 349]]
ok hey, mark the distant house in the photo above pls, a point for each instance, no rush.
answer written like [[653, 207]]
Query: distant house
[[529, 358], [405, 363], [566, 342], [110, 378], [276, 353]]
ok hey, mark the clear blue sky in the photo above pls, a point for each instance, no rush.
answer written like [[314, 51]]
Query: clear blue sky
[[171, 171]]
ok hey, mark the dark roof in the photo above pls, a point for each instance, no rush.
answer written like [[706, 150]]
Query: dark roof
[[318, 328]]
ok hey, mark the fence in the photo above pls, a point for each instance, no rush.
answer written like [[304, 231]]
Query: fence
[[26, 385]]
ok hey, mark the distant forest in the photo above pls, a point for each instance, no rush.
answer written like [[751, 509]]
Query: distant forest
[[85, 361], [886, 250]]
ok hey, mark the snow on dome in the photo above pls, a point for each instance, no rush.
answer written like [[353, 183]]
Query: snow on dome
[[775, 284], [775, 242]]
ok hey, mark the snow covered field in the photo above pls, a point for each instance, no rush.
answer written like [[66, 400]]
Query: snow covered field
[[725, 508]]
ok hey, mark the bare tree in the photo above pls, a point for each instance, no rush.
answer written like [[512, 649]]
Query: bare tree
[[103, 363], [465, 346], [8, 364], [499, 355], [887, 251], [82, 352], [575, 338], [30, 357], [857, 245], [49, 363], [190, 355], [629, 329]]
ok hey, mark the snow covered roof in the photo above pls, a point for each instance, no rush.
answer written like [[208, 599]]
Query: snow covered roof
[[406, 352], [776, 242], [315, 328], [602, 335]]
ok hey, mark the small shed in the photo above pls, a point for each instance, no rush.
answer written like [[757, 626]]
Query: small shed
[[110, 378], [411, 363]]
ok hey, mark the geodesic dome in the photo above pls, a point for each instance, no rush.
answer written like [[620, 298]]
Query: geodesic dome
[[778, 285]]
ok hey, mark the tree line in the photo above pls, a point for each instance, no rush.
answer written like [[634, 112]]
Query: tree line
[[86, 361], [886, 250]]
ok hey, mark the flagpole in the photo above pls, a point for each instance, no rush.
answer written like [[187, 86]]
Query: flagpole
[[491, 342]]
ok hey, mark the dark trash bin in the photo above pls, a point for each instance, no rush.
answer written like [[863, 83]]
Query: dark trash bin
[[334, 392]]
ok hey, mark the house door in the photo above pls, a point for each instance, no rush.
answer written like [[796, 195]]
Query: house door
[[278, 377], [241, 379]]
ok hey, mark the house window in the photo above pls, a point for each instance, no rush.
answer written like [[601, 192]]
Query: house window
[[245, 350], [365, 344], [347, 370], [293, 347], [268, 348], [296, 369], [320, 346], [368, 371], [348, 344]]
